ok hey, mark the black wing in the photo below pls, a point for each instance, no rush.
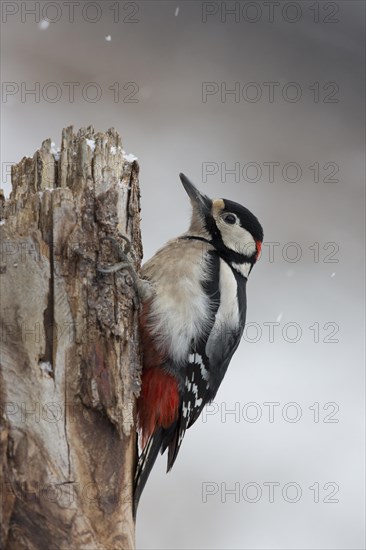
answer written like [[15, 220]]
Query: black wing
[[193, 386], [201, 380], [196, 394], [203, 374]]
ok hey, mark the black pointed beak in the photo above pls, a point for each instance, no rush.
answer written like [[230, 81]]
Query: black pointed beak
[[201, 201]]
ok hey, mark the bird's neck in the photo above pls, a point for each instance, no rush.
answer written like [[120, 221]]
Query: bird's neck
[[243, 269], [238, 262]]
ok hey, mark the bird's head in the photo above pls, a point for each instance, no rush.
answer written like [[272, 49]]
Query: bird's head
[[233, 229]]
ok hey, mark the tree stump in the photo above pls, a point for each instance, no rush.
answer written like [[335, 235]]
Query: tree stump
[[70, 360]]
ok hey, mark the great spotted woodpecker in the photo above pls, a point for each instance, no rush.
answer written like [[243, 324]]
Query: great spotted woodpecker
[[192, 319]]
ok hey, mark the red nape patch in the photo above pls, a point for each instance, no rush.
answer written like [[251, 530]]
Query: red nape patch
[[158, 403], [259, 248]]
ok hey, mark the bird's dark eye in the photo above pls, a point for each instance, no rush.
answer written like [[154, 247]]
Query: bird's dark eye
[[229, 218]]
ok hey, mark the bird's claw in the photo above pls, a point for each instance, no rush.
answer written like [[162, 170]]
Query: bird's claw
[[113, 268], [124, 262]]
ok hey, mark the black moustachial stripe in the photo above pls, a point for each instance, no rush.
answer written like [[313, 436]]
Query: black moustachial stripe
[[229, 256]]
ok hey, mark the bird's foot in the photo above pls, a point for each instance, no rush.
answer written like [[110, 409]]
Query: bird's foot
[[126, 258]]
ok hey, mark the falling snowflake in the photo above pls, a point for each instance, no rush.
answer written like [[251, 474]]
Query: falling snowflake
[[43, 25]]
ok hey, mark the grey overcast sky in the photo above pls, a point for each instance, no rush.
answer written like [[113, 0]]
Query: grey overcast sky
[[262, 103]]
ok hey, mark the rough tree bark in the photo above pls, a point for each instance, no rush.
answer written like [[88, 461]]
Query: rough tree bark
[[70, 360]]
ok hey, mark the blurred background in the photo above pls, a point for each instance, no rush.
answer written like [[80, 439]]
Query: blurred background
[[262, 103]]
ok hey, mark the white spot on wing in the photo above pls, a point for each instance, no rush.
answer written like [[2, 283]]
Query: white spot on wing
[[198, 401], [204, 373], [196, 358]]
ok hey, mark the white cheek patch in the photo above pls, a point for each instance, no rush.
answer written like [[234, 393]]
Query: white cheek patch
[[237, 238]]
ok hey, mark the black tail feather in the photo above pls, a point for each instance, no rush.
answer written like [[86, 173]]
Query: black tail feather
[[145, 463], [159, 441], [174, 446]]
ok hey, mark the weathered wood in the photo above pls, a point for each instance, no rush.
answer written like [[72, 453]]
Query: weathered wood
[[70, 360]]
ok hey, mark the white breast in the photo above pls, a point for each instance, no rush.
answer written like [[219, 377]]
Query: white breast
[[227, 316], [228, 311], [180, 309]]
